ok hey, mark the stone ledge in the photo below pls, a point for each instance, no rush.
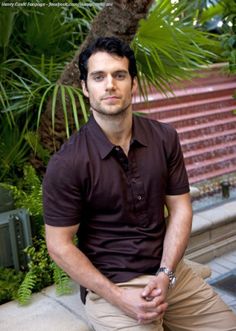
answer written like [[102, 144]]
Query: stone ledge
[[214, 217], [213, 250], [45, 312], [213, 233]]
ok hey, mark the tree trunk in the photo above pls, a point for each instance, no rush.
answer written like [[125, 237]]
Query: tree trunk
[[118, 18]]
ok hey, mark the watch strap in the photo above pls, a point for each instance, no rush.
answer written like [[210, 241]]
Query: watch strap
[[170, 274]]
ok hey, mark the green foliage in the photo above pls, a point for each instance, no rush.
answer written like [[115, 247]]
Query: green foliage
[[10, 280], [28, 194], [218, 16], [61, 280], [41, 270], [168, 47], [229, 53], [228, 37], [13, 151], [65, 93], [35, 45], [25, 291], [32, 139]]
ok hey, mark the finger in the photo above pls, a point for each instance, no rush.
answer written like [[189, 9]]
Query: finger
[[147, 305], [156, 292], [147, 317], [148, 289], [160, 299], [157, 304], [161, 309]]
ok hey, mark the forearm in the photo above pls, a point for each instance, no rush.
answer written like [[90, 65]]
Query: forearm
[[78, 266], [177, 233], [82, 271]]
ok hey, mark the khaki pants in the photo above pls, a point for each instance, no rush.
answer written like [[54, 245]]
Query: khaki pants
[[192, 306]]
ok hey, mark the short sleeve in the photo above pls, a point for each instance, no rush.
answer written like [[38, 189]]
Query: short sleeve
[[62, 201], [177, 182]]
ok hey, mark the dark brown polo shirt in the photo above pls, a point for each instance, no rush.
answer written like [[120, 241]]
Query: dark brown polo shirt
[[118, 201]]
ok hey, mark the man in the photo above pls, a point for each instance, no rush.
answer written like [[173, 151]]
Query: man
[[109, 184]]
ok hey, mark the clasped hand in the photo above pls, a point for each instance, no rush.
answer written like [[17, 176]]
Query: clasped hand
[[148, 304]]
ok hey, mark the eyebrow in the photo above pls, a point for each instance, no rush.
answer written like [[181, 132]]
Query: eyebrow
[[96, 72], [93, 73]]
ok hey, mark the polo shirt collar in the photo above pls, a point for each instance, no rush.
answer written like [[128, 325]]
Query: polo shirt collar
[[139, 135], [104, 145]]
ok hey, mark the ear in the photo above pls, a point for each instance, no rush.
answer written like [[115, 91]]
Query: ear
[[84, 88], [134, 85]]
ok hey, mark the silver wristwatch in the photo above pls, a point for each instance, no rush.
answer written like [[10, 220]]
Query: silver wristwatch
[[170, 274]]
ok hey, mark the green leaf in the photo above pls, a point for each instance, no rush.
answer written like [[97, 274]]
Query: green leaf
[[26, 288], [63, 100]]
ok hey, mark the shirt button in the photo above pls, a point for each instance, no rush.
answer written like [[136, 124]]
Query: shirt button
[[139, 197], [117, 148]]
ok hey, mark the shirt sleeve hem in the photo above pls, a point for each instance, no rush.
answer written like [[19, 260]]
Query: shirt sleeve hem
[[62, 223], [178, 191]]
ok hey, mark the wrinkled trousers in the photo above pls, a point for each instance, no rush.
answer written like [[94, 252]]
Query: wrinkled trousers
[[192, 306]]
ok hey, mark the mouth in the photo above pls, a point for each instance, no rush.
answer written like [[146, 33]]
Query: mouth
[[111, 97]]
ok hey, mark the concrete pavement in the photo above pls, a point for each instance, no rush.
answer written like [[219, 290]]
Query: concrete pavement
[[46, 312]]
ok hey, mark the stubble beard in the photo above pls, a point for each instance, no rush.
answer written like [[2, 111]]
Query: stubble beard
[[119, 112]]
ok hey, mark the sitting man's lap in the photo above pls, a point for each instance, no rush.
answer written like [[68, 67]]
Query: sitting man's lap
[[192, 306]]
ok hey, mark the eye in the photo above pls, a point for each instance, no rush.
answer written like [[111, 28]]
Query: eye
[[120, 75], [98, 77]]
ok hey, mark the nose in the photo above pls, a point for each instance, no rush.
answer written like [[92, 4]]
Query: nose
[[110, 84]]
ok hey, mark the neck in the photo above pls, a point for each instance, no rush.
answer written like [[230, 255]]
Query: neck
[[118, 129]]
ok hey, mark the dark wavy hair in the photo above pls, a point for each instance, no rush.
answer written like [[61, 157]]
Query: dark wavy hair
[[111, 45]]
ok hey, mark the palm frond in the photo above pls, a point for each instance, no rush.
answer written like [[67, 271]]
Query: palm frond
[[70, 97], [169, 49], [34, 141], [13, 149]]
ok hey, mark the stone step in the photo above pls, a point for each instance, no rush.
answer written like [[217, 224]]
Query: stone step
[[210, 152], [194, 179], [201, 110], [209, 166], [208, 79], [199, 130], [163, 112], [214, 73], [184, 95], [201, 117], [213, 233], [193, 144]]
